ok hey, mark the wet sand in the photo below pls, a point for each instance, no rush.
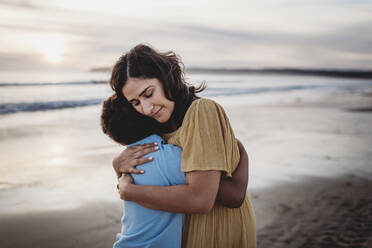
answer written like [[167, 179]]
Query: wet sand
[[310, 175], [325, 213], [319, 212]]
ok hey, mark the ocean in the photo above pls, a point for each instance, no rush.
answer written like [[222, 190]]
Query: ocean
[[53, 151], [78, 90]]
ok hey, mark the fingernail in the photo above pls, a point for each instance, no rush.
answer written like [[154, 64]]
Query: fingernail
[[155, 143], [150, 158], [156, 148], [142, 171]]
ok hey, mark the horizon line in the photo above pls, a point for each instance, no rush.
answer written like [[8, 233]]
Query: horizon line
[[345, 73]]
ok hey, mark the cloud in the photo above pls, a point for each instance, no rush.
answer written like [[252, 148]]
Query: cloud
[[255, 34], [16, 61], [350, 43], [19, 4], [356, 38]]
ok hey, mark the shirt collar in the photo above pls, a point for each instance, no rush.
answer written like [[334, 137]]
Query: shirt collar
[[149, 139]]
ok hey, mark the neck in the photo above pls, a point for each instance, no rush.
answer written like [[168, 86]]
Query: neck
[[173, 127], [168, 127]]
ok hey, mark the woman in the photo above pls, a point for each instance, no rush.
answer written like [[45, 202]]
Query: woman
[[143, 227], [153, 84]]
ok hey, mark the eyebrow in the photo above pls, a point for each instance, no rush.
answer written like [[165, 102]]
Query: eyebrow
[[143, 92]]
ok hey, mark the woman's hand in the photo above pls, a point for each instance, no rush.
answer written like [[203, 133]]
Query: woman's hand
[[124, 181], [131, 157], [232, 191]]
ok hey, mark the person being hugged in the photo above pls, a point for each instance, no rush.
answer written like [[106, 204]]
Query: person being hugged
[[144, 227]]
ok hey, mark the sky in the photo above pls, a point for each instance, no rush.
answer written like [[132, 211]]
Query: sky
[[73, 35]]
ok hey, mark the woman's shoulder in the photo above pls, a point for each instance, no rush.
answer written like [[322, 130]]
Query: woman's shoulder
[[204, 111], [203, 104], [204, 101]]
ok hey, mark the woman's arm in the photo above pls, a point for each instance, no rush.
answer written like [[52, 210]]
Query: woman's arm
[[198, 195], [232, 191]]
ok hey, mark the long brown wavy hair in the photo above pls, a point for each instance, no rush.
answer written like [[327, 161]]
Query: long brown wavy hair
[[143, 61]]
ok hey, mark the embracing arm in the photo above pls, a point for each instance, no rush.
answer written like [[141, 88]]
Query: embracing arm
[[198, 195], [232, 191]]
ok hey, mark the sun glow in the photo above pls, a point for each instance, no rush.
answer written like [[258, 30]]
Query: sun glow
[[54, 56], [51, 46]]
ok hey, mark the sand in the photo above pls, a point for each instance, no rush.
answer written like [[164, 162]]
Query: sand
[[331, 213], [310, 174]]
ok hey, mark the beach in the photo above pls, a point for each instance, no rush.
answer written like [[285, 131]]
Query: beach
[[310, 175]]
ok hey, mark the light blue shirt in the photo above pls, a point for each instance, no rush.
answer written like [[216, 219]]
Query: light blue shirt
[[144, 227]]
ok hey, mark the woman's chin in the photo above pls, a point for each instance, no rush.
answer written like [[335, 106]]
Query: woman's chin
[[162, 118], [161, 121]]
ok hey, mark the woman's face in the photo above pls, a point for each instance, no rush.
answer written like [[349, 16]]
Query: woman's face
[[147, 96]]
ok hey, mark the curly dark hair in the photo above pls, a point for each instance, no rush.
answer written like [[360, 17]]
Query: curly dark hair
[[123, 124], [143, 61]]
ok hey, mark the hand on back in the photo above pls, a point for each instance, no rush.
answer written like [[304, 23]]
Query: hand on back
[[128, 159]]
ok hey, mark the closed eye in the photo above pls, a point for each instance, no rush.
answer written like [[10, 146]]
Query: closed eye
[[148, 93], [135, 102]]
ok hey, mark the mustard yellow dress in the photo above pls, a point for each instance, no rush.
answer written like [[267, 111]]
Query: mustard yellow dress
[[208, 143]]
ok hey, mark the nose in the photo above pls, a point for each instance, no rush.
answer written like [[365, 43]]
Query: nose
[[147, 107]]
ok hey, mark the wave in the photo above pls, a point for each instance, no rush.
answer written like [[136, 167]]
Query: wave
[[255, 90], [8, 108], [367, 74]]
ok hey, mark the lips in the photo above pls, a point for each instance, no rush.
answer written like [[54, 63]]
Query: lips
[[157, 113]]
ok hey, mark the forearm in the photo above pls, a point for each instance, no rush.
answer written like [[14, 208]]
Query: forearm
[[232, 190], [198, 195], [177, 199]]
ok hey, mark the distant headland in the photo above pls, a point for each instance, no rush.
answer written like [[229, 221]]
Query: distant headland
[[341, 73]]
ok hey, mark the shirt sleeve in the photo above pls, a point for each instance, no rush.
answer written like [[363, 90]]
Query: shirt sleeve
[[208, 141]]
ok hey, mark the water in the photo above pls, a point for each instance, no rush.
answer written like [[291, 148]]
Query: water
[[43, 95], [50, 134]]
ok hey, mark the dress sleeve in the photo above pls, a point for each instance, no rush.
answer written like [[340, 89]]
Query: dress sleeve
[[207, 139]]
